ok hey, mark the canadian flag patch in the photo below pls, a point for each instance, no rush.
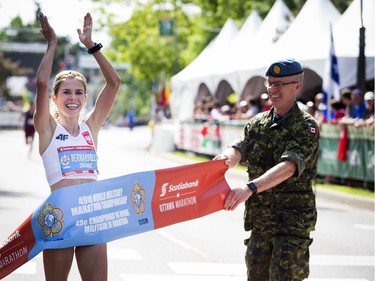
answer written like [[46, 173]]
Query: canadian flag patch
[[313, 130]]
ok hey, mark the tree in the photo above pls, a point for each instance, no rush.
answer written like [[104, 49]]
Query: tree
[[138, 41]]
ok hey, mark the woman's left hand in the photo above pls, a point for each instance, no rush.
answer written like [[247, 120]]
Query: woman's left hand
[[85, 33]]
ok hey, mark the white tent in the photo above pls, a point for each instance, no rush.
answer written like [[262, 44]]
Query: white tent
[[242, 44], [307, 39], [225, 63], [204, 64], [346, 38], [185, 84], [250, 57]]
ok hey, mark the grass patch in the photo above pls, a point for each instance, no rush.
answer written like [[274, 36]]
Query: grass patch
[[190, 156], [347, 189], [341, 188]]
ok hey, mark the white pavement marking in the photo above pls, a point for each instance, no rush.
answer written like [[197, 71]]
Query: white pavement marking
[[236, 272], [208, 268], [365, 226], [171, 277], [161, 277], [335, 279], [331, 260], [27, 268], [123, 254], [181, 243]]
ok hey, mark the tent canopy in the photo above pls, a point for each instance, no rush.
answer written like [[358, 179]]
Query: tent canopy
[[205, 63], [307, 39]]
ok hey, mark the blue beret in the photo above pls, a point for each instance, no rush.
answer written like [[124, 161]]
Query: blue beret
[[284, 68]]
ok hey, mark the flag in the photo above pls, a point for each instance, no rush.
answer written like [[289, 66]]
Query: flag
[[331, 80]]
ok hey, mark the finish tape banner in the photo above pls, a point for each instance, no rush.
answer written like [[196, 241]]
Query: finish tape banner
[[106, 210]]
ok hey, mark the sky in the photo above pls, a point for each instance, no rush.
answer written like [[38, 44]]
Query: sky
[[65, 16]]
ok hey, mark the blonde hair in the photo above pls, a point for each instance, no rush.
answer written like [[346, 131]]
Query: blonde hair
[[61, 77], [67, 75]]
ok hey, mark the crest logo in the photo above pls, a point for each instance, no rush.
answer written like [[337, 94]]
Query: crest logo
[[65, 160], [276, 69], [50, 219], [138, 198]]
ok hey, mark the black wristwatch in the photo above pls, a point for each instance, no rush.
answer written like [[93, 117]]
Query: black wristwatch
[[252, 187], [94, 49]]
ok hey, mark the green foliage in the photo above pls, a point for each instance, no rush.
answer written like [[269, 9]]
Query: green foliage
[[139, 43], [133, 95], [349, 190]]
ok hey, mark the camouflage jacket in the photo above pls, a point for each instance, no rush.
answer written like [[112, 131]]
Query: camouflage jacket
[[288, 208]]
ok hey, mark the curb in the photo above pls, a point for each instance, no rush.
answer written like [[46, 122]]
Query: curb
[[347, 199]]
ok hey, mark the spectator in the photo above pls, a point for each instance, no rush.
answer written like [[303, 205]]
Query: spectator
[[28, 126], [338, 109], [359, 107], [216, 113], [200, 111], [320, 108], [226, 111], [310, 108], [368, 119], [253, 108], [346, 98], [265, 103], [241, 113]]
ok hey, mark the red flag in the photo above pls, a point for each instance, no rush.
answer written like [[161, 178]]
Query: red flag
[[343, 144]]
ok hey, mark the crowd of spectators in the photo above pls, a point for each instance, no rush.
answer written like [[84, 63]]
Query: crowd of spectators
[[208, 109], [353, 108]]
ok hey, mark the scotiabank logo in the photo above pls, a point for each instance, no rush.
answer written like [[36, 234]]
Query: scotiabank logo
[[164, 189], [182, 186]]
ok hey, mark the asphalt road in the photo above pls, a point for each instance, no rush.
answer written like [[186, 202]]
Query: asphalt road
[[204, 249]]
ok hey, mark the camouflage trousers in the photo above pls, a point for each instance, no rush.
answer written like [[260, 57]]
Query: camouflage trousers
[[277, 258]]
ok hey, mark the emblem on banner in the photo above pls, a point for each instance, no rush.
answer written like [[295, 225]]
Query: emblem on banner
[[50, 219], [138, 197]]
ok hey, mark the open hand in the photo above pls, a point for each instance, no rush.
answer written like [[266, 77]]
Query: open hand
[[86, 32], [235, 197], [46, 29]]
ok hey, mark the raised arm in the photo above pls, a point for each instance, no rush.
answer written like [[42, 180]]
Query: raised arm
[[106, 98], [42, 117]]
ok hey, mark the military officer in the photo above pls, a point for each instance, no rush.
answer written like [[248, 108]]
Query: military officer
[[280, 149]]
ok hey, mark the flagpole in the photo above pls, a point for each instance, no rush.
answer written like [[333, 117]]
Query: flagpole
[[361, 71]]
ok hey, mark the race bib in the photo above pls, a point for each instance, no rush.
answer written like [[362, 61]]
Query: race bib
[[77, 160]]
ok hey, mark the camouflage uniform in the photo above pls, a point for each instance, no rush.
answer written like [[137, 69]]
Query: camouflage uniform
[[280, 218]]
